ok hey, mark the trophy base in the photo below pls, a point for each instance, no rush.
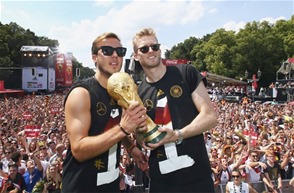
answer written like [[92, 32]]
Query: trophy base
[[154, 136]]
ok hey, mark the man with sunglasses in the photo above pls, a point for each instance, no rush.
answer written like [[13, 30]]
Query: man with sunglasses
[[180, 105], [97, 125], [253, 170], [237, 186]]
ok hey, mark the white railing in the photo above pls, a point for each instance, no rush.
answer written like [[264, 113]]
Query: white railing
[[260, 187]]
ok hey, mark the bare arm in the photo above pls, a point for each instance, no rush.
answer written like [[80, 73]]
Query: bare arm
[[291, 183], [78, 121], [266, 179], [254, 164], [36, 160], [206, 119], [252, 190], [227, 188], [286, 159]]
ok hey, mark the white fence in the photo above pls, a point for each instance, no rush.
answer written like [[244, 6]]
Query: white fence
[[260, 187]]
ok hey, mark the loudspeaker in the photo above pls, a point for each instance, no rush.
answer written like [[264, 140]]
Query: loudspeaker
[[33, 71]]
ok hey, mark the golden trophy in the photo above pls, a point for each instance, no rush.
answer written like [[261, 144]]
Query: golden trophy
[[123, 89]]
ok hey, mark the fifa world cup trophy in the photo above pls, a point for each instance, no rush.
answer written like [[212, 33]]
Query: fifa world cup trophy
[[123, 89]]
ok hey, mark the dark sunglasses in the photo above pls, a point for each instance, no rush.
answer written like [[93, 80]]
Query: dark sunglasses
[[235, 176], [108, 50], [145, 49]]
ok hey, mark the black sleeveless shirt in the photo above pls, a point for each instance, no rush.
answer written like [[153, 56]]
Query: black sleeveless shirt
[[84, 176], [169, 103]]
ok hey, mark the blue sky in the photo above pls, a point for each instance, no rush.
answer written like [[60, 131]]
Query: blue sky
[[76, 23]]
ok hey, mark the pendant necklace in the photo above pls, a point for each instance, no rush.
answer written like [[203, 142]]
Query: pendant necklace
[[239, 190]]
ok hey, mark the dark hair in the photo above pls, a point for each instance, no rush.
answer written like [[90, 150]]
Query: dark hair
[[10, 147], [236, 170], [12, 164], [130, 167], [25, 157], [15, 156]]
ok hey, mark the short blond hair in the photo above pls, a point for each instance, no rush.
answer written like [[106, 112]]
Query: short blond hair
[[140, 34]]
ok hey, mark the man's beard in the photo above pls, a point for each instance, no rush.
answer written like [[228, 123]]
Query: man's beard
[[148, 65], [104, 72]]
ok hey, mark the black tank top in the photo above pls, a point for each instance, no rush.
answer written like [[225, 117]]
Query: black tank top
[[169, 101], [84, 176]]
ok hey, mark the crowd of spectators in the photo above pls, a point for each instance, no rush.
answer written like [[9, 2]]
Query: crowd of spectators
[[33, 143], [250, 136], [256, 138]]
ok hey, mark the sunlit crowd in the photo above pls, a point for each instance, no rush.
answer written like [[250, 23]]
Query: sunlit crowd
[[248, 135]]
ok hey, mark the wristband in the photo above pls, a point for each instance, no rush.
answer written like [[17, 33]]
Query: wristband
[[180, 137], [130, 149], [123, 130]]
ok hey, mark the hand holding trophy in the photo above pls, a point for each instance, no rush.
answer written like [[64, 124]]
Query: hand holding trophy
[[122, 88]]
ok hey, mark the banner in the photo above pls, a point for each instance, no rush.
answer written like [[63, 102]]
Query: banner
[[63, 70], [170, 62], [54, 110], [32, 130], [1, 84], [253, 135], [27, 115]]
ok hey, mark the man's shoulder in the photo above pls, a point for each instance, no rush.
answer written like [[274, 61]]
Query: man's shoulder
[[19, 177], [229, 183], [26, 174]]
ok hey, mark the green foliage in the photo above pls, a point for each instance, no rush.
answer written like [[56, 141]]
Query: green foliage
[[12, 38], [85, 72], [182, 50], [260, 45], [39, 186]]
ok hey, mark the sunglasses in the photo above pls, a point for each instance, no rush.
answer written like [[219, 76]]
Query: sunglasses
[[145, 49], [108, 50], [235, 176]]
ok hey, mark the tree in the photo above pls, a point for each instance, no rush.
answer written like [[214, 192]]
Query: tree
[[259, 48], [260, 45], [218, 52], [85, 72], [183, 50], [12, 38], [284, 30]]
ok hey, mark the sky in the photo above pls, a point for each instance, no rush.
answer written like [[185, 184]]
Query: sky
[[76, 23]]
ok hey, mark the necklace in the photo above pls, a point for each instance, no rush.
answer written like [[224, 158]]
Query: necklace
[[240, 190]]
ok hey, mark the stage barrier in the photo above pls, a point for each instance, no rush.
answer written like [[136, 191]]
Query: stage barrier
[[260, 187]]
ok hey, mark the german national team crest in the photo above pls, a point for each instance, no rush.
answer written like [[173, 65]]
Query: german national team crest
[[176, 91]]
